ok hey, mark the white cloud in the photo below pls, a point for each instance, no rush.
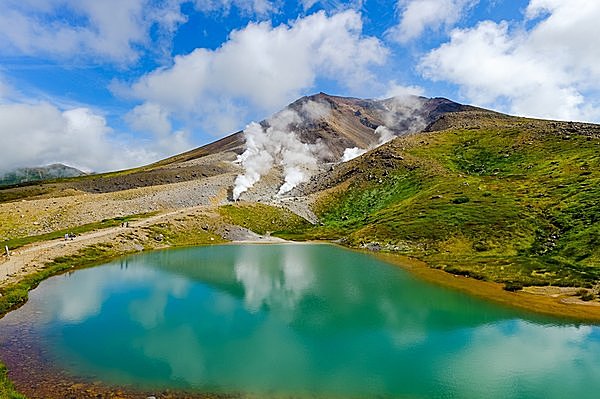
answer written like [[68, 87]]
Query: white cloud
[[41, 134], [418, 15], [394, 89], [307, 4], [546, 71], [333, 4], [107, 30], [149, 117], [152, 118], [6, 90], [257, 7], [262, 67], [36, 133]]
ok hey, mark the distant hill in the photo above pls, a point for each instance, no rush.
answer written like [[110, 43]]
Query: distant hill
[[25, 175]]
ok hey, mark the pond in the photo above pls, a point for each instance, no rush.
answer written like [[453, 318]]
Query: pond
[[292, 320]]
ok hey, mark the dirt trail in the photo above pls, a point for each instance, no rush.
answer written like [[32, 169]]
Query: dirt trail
[[33, 256]]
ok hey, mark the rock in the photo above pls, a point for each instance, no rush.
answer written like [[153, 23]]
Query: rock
[[372, 246]]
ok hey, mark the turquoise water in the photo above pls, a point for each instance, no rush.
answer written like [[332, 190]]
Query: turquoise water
[[298, 320]]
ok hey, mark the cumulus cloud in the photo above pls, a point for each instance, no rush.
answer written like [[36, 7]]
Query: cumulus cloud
[[416, 16], [108, 30], [152, 118], [261, 67], [394, 89], [332, 4], [6, 89], [41, 134], [38, 133], [545, 71], [308, 4], [257, 7]]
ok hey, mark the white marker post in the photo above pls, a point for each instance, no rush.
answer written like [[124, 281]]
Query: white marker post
[[7, 251]]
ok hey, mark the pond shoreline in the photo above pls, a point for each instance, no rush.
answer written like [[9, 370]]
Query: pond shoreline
[[543, 304], [543, 300]]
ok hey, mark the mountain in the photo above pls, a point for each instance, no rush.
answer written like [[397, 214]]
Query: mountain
[[341, 123], [26, 175], [468, 190]]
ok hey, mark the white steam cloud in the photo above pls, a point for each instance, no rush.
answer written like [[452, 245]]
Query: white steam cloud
[[277, 144], [316, 110], [385, 135], [351, 153], [402, 113]]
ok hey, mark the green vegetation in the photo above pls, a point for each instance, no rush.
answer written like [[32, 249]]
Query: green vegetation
[[192, 233], [7, 390], [586, 295], [28, 191], [263, 219], [516, 203], [19, 242]]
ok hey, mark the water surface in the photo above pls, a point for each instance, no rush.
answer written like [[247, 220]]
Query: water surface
[[297, 320]]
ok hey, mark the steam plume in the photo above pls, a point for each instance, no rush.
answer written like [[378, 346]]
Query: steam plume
[[278, 144], [385, 135], [401, 114], [404, 113], [351, 153]]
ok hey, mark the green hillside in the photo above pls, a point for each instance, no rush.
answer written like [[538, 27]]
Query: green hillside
[[507, 200]]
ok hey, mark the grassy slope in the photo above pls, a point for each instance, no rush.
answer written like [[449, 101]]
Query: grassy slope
[[7, 390], [21, 241], [514, 203], [263, 219]]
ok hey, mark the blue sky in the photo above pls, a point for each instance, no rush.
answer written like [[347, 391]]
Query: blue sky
[[110, 84]]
